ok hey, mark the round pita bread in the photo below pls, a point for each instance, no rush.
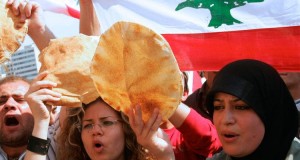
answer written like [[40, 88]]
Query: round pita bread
[[12, 33], [134, 65], [67, 60]]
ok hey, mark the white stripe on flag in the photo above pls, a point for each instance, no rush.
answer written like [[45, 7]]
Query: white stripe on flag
[[57, 6], [162, 17]]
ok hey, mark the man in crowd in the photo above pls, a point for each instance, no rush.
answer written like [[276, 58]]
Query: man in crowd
[[197, 99], [17, 122], [16, 119]]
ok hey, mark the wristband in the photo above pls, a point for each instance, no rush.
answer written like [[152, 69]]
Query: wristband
[[38, 145]]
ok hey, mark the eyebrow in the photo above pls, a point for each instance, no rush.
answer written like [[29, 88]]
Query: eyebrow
[[13, 95], [87, 120], [100, 118], [234, 100]]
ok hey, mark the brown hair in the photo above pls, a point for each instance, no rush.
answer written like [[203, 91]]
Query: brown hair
[[70, 144], [185, 78]]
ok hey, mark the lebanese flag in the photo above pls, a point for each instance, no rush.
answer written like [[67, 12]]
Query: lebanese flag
[[67, 7], [205, 35]]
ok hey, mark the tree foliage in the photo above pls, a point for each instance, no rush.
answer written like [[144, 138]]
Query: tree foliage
[[220, 10]]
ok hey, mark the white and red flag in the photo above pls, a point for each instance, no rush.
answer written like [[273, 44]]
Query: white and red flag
[[67, 7], [207, 34]]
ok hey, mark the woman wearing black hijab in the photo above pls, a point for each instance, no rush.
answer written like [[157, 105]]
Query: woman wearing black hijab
[[254, 113]]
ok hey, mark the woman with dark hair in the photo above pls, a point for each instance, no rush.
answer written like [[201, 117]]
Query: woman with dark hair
[[254, 113]]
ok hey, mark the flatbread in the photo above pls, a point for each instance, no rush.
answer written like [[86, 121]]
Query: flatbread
[[134, 65], [12, 32], [68, 61]]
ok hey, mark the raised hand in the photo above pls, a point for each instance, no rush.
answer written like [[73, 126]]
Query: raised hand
[[32, 12], [27, 10], [40, 92], [149, 135]]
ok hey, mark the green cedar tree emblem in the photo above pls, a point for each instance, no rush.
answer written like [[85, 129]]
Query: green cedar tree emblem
[[219, 9]]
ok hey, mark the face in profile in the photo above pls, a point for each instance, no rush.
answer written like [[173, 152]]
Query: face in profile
[[239, 128], [102, 132], [53, 114], [210, 75]]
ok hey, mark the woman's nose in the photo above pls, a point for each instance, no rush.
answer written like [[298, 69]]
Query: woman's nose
[[97, 130], [228, 117]]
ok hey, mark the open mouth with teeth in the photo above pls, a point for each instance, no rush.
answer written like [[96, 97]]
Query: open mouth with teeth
[[11, 121]]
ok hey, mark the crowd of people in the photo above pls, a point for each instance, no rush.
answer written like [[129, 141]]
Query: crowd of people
[[246, 110]]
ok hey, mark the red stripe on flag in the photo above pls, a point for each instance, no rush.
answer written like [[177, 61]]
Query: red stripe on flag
[[73, 12], [279, 47]]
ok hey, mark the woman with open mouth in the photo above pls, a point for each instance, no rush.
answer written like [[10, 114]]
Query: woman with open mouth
[[254, 113], [96, 130]]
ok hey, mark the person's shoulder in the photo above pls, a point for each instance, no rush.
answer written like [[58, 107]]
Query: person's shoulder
[[294, 152], [297, 102], [2, 154], [295, 145]]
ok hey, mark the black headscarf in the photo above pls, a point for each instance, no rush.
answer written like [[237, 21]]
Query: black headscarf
[[261, 87]]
